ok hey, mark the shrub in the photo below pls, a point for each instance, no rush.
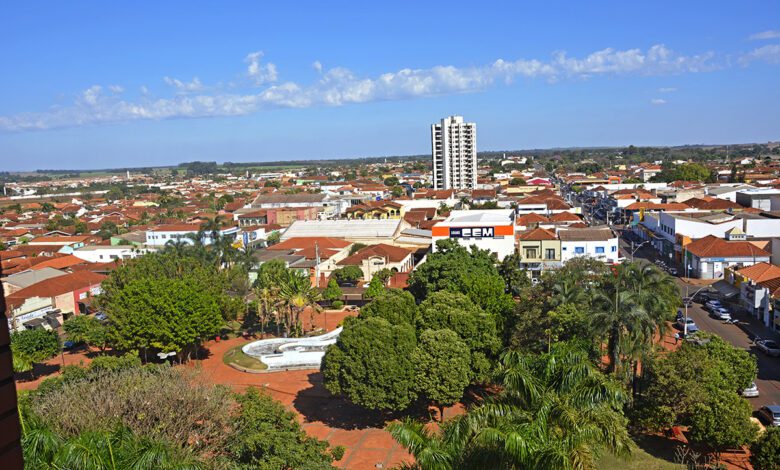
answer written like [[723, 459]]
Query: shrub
[[337, 305], [29, 346]]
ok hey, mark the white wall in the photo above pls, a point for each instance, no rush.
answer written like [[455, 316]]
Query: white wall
[[762, 227], [502, 246], [107, 254], [610, 253]]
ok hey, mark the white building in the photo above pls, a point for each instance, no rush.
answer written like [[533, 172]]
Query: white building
[[105, 253], [758, 198], [492, 230], [454, 153], [598, 243], [162, 234]]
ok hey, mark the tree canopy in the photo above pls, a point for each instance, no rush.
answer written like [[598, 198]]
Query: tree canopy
[[456, 269], [166, 301], [394, 305], [371, 364], [442, 367]]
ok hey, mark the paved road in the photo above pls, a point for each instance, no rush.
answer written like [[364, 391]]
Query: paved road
[[768, 380]]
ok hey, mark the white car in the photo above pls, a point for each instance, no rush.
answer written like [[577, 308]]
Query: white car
[[691, 325], [751, 391], [721, 313]]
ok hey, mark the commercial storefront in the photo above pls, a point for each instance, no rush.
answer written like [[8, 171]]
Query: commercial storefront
[[492, 230]]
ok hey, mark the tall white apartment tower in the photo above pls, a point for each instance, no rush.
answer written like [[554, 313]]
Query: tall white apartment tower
[[454, 152]]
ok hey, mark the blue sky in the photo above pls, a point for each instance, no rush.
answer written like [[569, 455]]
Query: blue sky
[[109, 84]]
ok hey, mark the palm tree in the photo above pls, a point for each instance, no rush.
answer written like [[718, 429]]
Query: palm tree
[[178, 246], [213, 226], [297, 293], [430, 451], [618, 314], [113, 450], [246, 257], [556, 411], [567, 291]]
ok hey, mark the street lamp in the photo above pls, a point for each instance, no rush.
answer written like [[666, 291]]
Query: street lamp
[[633, 250]]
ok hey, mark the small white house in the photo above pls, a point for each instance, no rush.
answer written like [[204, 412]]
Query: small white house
[[105, 253], [599, 243]]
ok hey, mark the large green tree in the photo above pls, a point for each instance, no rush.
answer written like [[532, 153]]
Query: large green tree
[[456, 312], [270, 438], [722, 422], [394, 305], [88, 330], [689, 387], [31, 346], [765, 451], [442, 367], [456, 269], [371, 364], [167, 301], [167, 315]]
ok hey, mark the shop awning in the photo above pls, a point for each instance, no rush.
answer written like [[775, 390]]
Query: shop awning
[[726, 289]]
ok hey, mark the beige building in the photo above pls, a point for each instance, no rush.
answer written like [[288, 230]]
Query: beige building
[[539, 249]]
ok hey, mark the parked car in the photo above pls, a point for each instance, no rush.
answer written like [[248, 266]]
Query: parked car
[[673, 271], [101, 316], [692, 328], [687, 302], [712, 304], [720, 313], [770, 414], [704, 297], [768, 347], [751, 391]]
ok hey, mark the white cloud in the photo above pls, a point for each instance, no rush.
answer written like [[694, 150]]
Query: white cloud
[[184, 87], [667, 90], [658, 101], [317, 65], [117, 89], [339, 86], [764, 35], [769, 53], [260, 73]]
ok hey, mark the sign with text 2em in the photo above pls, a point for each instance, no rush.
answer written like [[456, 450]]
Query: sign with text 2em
[[472, 232]]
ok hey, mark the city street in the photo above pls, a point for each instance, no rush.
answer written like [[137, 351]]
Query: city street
[[741, 336]]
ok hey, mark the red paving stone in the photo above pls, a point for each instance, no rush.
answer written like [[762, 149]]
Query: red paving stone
[[322, 415]]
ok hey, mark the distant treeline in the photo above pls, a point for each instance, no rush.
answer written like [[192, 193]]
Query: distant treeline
[[602, 155]]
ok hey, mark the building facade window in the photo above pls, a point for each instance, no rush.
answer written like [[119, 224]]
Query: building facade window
[[549, 253], [599, 249], [579, 250]]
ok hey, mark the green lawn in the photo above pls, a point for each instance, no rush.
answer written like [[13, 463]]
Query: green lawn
[[641, 459], [236, 356]]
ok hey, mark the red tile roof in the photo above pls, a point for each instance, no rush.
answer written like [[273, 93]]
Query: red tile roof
[[56, 286], [760, 272], [531, 218], [393, 254], [564, 217], [537, 234], [60, 262], [193, 228], [714, 247], [301, 243]]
